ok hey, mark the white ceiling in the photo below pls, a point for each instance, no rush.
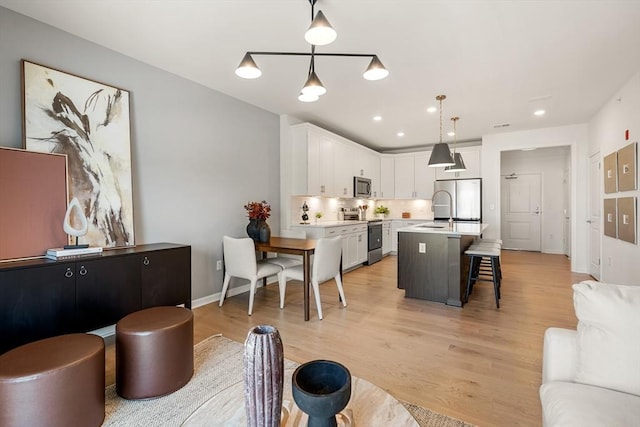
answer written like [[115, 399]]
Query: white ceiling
[[496, 61]]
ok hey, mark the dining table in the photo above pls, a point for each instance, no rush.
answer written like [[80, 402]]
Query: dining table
[[291, 246]]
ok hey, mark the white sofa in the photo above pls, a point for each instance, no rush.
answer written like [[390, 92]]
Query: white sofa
[[591, 376]]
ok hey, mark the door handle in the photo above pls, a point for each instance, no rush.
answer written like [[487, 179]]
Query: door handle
[[537, 212], [589, 221]]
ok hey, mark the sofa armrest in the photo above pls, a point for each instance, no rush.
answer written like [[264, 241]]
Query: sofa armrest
[[559, 355]]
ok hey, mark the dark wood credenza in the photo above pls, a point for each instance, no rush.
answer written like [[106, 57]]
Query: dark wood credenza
[[41, 298]]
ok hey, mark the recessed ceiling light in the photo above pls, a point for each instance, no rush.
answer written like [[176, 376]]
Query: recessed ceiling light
[[539, 112], [451, 133], [400, 134], [432, 110], [377, 118]]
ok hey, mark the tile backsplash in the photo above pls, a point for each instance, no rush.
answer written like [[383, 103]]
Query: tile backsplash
[[330, 208]]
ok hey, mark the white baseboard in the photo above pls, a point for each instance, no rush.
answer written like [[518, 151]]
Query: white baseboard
[[230, 293]]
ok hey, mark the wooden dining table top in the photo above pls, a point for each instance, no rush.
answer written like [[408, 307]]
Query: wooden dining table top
[[287, 245]]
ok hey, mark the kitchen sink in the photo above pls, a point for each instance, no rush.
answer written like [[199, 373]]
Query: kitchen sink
[[430, 226]]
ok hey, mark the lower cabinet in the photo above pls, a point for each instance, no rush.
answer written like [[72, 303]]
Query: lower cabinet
[[354, 241], [386, 237], [43, 298]]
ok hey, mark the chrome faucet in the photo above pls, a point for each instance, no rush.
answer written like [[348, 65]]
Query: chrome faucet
[[450, 206]]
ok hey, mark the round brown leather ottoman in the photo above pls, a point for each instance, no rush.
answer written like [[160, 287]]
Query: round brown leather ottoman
[[56, 381], [154, 352]]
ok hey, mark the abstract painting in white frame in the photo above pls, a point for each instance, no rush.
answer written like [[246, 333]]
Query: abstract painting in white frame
[[89, 122]]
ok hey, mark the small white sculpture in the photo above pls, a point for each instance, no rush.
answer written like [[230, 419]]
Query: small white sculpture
[[78, 215]]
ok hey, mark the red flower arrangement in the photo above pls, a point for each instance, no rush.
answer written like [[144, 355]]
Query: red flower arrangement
[[258, 210]]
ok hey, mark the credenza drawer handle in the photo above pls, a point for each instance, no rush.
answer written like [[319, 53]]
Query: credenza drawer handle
[[68, 273], [145, 261], [83, 271]]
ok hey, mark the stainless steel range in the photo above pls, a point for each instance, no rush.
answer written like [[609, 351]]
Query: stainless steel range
[[374, 241]]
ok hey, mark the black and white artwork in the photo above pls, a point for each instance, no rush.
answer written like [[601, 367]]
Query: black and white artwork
[[89, 122]]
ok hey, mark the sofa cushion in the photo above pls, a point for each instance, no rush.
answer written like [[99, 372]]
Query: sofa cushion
[[608, 341], [572, 404]]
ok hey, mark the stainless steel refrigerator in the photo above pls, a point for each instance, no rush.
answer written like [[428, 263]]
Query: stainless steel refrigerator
[[466, 195]]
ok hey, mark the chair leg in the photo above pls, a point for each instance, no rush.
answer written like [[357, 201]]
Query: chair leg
[[469, 277], [340, 289], [282, 287], [316, 294], [225, 285], [252, 293], [496, 281]]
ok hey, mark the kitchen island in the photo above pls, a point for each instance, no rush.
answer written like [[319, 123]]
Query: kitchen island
[[431, 260]]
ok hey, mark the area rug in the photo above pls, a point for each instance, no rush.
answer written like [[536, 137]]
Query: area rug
[[217, 366]]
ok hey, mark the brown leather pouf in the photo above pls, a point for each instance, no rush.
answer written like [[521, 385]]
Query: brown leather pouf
[[154, 352], [56, 381]]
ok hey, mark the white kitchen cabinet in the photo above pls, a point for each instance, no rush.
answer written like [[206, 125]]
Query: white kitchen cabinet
[[344, 155], [404, 177], [354, 240], [413, 178], [424, 176], [386, 237], [471, 157], [367, 165], [387, 178], [312, 161], [362, 246]]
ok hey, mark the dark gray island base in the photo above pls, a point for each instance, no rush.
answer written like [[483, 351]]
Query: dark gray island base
[[431, 261]]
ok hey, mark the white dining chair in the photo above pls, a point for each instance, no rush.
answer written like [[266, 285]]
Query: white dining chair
[[326, 266], [240, 261]]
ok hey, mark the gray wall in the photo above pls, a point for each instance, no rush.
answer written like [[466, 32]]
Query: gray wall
[[198, 155]]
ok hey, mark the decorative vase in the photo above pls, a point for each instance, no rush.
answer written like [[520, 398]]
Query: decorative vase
[[321, 389], [264, 231], [381, 216], [263, 376], [252, 229]]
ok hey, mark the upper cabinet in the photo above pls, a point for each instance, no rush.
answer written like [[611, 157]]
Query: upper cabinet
[[387, 177], [343, 156], [312, 161], [367, 165], [324, 164], [471, 157], [413, 178]]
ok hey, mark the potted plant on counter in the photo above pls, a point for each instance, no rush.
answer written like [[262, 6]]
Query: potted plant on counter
[[382, 211]]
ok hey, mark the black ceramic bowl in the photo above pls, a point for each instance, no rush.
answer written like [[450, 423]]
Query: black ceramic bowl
[[321, 388]]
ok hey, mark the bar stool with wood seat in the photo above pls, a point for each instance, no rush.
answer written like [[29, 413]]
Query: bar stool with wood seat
[[56, 381], [476, 254], [154, 352]]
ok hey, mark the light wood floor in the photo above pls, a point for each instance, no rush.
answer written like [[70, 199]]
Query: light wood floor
[[477, 363]]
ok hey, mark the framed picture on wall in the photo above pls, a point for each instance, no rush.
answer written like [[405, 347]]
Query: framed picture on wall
[[611, 173], [610, 218], [89, 122], [627, 219], [627, 167]]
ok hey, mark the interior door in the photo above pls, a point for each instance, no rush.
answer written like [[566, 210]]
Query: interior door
[[595, 191], [521, 211]]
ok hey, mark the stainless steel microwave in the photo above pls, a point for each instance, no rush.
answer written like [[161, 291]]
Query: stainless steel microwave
[[361, 187]]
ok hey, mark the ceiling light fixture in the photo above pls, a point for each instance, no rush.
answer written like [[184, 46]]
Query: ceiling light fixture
[[320, 33], [539, 112], [377, 118], [432, 109], [441, 155], [459, 165]]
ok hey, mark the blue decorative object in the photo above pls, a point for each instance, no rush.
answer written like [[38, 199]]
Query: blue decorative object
[[321, 389]]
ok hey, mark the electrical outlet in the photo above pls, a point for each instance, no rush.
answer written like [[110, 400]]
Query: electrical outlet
[[422, 248], [219, 264]]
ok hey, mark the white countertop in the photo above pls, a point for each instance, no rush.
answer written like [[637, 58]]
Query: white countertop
[[459, 228], [352, 222]]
